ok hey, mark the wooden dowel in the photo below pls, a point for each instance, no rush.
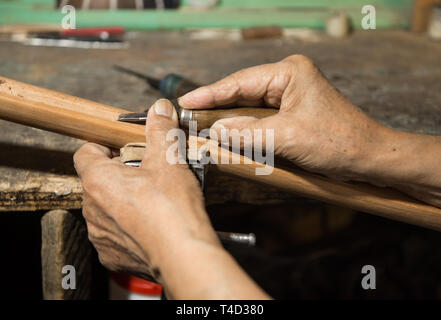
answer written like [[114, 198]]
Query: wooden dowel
[[57, 99], [94, 122], [71, 123], [384, 202]]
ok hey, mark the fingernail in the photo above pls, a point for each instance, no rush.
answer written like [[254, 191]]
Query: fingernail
[[218, 125], [163, 108]]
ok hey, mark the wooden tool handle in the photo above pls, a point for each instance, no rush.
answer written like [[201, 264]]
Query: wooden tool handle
[[53, 111], [205, 118]]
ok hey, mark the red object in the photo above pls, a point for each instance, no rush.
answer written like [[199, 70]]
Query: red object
[[111, 31], [135, 284]]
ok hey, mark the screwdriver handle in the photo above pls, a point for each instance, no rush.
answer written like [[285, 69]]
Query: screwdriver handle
[[203, 118], [173, 86], [206, 118]]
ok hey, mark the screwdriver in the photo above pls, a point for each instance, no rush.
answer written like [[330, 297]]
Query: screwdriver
[[172, 86], [203, 118]]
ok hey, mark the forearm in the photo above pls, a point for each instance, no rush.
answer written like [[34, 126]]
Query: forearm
[[197, 269], [408, 162]]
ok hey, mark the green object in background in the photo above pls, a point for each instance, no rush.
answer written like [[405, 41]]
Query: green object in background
[[228, 14], [304, 3]]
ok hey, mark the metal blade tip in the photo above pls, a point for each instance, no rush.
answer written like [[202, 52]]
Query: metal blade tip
[[132, 117]]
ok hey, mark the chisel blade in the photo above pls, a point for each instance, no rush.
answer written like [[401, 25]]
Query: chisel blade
[[138, 118]]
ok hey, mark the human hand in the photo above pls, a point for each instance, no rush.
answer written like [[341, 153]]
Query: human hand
[[137, 218], [316, 127]]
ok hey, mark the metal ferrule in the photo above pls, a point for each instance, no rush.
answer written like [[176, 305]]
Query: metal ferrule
[[185, 117]]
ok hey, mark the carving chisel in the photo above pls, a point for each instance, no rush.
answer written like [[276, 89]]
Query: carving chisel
[[172, 86], [204, 118]]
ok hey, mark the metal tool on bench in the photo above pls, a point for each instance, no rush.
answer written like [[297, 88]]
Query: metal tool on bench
[[172, 86], [199, 167], [85, 38]]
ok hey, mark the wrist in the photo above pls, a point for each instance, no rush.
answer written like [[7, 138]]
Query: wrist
[[189, 258], [197, 269], [172, 242], [397, 158]]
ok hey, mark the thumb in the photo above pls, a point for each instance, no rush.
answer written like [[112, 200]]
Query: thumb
[[250, 131], [161, 120]]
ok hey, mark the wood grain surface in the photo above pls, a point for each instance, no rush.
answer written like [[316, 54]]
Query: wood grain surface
[[205, 118]]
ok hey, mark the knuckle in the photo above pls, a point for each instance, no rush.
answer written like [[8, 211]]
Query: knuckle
[[90, 237], [85, 149], [77, 157], [90, 230], [89, 182], [97, 236], [300, 60], [238, 74], [105, 260], [86, 212], [92, 182], [80, 156]]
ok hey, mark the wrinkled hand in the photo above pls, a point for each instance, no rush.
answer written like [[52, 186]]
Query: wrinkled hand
[[135, 215], [316, 127]]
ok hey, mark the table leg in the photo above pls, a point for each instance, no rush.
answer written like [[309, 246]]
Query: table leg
[[66, 256]]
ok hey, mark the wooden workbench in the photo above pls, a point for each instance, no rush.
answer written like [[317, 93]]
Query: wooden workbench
[[393, 75]]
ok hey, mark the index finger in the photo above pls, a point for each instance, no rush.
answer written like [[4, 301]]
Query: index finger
[[90, 154], [247, 87]]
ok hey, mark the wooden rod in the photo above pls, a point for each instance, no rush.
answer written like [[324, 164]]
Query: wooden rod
[[79, 118], [71, 123], [204, 118], [58, 99], [385, 202]]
